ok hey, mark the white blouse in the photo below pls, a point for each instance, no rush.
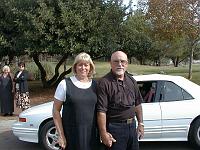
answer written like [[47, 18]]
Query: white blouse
[[60, 93]]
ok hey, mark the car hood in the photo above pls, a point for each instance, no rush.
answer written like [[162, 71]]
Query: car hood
[[45, 108]]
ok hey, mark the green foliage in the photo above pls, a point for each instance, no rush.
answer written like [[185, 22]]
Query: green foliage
[[71, 26], [103, 67], [33, 69], [67, 27], [136, 39], [176, 23]]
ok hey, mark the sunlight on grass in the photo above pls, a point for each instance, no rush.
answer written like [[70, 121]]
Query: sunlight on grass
[[103, 67]]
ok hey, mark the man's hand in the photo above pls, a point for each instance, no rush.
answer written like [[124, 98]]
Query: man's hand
[[140, 131], [107, 139], [139, 116]]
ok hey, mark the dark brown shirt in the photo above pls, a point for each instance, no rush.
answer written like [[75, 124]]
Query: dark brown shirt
[[117, 98]]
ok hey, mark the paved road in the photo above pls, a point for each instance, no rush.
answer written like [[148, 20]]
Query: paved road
[[9, 142], [165, 146]]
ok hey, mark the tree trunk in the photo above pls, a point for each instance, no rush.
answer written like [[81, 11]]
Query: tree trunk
[[41, 68], [176, 61], [130, 60], [190, 64], [65, 65], [57, 77]]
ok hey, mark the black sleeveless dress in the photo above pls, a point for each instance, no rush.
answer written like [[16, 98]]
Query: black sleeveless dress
[[79, 117]]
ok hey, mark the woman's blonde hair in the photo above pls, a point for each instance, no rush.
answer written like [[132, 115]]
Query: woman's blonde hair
[[6, 68], [84, 57]]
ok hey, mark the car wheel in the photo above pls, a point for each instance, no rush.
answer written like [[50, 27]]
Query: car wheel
[[49, 136], [194, 134]]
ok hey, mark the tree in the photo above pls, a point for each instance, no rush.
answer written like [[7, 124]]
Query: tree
[[193, 29], [174, 21], [136, 41], [11, 37], [66, 27]]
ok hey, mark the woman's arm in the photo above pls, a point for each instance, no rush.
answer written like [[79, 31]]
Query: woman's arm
[[58, 122]]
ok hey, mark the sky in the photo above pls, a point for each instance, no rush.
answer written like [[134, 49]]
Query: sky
[[134, 3]]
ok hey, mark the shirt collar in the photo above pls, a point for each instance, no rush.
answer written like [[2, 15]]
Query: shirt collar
[[113, 76]]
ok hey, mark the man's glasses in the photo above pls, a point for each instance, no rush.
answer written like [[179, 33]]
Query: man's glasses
[[123, 62]]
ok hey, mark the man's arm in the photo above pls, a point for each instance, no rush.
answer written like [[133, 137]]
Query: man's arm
[[139, 116], [101, 120], [106, 137]]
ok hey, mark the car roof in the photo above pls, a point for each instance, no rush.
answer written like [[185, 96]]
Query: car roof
[[184, 83], [152, 77]]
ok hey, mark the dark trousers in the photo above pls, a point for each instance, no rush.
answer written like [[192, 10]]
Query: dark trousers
[[125, 135]]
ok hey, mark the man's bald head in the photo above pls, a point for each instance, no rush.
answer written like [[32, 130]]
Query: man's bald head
[[119, 54]]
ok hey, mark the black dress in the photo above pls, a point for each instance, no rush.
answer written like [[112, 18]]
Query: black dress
[[21, 90], [6, 95], [79, 117]]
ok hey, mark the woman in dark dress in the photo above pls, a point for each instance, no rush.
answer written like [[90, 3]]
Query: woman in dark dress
[[77, 96], [6, 92], [21, 87]]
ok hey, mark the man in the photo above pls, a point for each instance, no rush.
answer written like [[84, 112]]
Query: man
[[119, 101]]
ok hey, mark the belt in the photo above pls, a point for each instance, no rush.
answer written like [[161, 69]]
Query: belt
[[127, 121]]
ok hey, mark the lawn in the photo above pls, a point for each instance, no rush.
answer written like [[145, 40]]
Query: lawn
[[103, 67], [39, 95]]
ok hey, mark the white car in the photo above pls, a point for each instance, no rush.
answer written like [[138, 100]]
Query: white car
[[171, 110]]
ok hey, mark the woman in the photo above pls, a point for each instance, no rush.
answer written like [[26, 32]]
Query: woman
[[21, 87], [6, 92], [77, 96]]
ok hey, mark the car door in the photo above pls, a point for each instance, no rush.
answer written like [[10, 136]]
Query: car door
[[151, 114], [174, 102]]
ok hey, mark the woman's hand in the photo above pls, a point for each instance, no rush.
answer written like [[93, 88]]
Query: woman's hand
[[62, 142]]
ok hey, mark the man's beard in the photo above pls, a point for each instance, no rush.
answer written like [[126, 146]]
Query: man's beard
[[119, 72]]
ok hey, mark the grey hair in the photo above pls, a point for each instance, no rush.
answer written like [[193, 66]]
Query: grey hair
[[6, 67]]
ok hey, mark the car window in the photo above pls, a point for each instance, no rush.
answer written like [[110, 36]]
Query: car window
[[173, 92], [148, 90], [186, 95]]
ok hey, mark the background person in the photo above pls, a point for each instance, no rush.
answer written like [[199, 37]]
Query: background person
[[6, 92], [77, 96], [119, 100], [21, 87]]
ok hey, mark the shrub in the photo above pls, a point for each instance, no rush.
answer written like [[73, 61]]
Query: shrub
[[33, 69]]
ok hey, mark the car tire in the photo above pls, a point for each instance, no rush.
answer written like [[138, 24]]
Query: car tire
[[49, 136], [194, 134]]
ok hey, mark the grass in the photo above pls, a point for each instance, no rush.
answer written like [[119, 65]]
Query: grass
[[103, 67], [39, 95]]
